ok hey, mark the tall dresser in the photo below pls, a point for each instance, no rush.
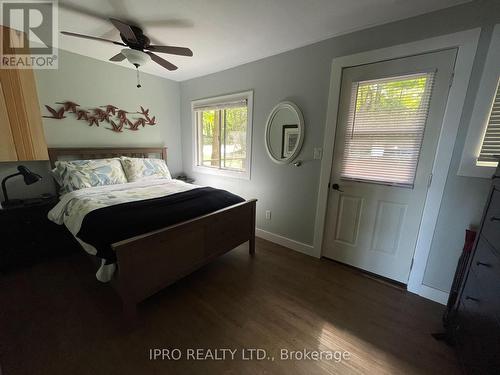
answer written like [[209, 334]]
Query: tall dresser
[[476, 322]]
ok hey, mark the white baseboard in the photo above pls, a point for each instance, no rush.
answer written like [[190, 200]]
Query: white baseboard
[[284, 241], [433, 294]]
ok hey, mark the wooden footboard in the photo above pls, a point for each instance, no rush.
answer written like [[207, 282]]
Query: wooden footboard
[[150, 262]]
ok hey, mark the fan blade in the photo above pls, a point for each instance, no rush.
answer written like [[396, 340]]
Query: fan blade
[[171, 50], [124, 29], [118, 57], [157, 59], [91, 37]]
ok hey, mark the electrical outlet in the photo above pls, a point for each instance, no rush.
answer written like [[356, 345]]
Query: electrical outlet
[[268, 214], [317, 153]]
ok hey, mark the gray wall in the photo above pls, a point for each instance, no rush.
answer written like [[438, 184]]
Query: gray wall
[[92, 83], [302, 76], [464, 197]]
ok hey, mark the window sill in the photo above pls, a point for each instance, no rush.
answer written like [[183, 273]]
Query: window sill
[[472, 169], [222, 172]]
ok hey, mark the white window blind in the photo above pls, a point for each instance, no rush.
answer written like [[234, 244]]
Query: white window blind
[[385, 129], [222, 105], [490, 148]]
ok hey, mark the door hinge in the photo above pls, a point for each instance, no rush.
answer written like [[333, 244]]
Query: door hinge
[[452, 78], [429, 181], [411, 264]]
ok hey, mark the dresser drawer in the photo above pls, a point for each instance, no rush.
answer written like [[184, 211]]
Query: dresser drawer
[[477, 332], [475, 303], [477, 350], [486, 261], [486, 269], [491, 226]]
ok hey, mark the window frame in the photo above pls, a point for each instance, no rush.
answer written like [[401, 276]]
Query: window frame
[[197, 167], [481, 113]]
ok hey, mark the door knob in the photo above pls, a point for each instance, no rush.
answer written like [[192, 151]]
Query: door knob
[[337, 187]]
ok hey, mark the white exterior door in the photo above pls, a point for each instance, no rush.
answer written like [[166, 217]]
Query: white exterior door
[[390, 118]]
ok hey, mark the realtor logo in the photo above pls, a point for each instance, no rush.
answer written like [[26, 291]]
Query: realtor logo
[[29, 34]]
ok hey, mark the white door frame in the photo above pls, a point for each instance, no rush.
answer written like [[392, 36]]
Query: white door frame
[[466, 42]]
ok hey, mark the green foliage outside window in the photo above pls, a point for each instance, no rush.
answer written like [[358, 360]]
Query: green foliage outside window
[[401, 94], [223, 138]]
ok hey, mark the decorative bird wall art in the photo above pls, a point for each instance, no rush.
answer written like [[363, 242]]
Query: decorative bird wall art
[[58, 115], [118, 119]]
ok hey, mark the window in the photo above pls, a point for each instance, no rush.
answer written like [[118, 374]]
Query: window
[[483, 135], [222, 134], [385, 129], [490, 146]]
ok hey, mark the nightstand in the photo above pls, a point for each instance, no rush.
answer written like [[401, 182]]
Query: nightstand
[[185, 178], [29, 237]]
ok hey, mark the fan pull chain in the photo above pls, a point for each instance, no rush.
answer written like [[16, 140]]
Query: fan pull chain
[[138, 80]]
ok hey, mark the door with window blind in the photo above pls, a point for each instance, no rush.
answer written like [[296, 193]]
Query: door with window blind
[[389, 122]]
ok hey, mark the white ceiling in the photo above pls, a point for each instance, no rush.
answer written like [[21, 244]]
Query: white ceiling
[[226, 33]]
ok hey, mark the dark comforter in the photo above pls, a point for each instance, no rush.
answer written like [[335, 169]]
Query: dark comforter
[[105, 226]]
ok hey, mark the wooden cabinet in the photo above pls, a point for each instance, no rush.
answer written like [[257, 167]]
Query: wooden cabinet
[[476, 325], [21, 129]]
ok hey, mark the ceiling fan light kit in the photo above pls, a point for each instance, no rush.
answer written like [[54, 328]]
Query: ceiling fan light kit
[[135, 57], [139, 51]]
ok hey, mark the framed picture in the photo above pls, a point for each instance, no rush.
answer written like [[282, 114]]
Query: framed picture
[[289, 138]]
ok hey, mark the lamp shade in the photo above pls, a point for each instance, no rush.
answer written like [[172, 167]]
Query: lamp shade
[[29, 177]]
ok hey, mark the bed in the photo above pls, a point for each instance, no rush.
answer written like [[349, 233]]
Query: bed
[[150, 261]]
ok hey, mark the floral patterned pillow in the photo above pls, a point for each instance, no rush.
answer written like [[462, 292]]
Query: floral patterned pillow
[[141, 168], [80, 174]]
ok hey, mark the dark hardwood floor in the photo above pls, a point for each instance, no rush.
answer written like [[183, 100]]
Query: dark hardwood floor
[[55, 318]]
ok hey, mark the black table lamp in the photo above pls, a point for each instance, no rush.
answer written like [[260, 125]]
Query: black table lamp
[[29, 178]]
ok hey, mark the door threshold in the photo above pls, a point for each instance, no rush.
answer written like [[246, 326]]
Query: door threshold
[[373, 276]]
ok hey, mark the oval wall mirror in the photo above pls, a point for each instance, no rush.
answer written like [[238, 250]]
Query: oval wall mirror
[[284, 133]]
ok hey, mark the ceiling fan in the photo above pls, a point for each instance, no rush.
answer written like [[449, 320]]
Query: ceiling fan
[[139, 50]]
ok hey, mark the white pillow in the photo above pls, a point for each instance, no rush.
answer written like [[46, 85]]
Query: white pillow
[[80, 174], [137, 169]]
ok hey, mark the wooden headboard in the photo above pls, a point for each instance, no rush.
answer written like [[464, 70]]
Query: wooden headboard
[[56, 154]]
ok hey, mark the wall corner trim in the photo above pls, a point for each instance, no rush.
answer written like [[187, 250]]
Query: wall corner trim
[[284, 241], [433, 294]]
